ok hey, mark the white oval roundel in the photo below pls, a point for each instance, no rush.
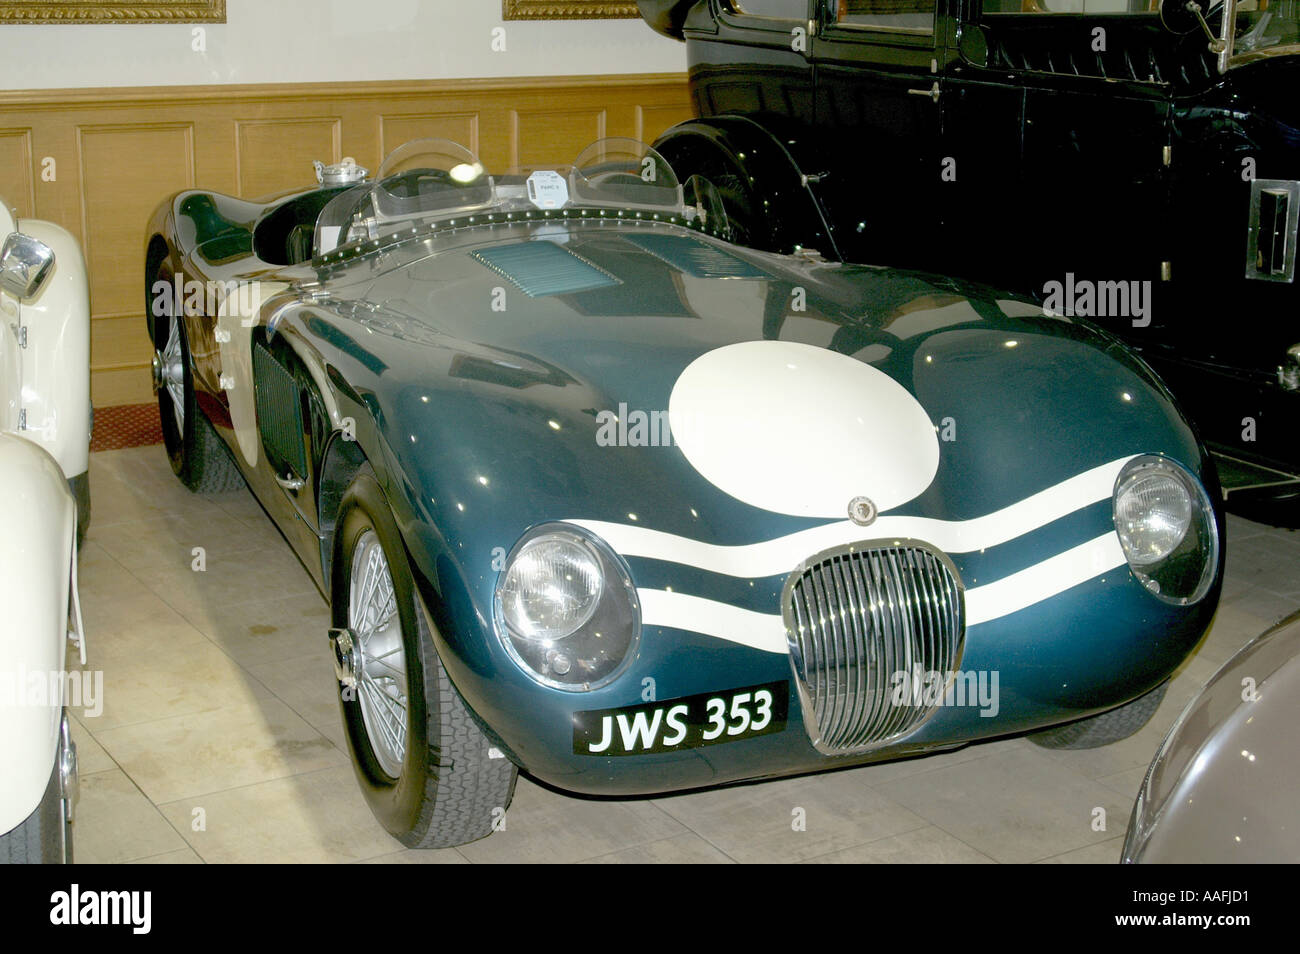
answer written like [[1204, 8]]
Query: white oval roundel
[[800, 430]]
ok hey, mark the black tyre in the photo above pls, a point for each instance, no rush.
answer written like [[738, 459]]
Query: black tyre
[[197, 455], [45, 836], [80, 487], [1099, 730], [430, 775]]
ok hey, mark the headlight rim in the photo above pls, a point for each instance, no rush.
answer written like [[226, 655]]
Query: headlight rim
[[617, 587], [1204, 521]]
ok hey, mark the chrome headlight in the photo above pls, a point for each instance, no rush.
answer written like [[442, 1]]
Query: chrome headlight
[[1167, 529], [566, 609]]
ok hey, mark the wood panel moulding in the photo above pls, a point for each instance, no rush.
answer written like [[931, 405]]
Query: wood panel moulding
[[98, 161]]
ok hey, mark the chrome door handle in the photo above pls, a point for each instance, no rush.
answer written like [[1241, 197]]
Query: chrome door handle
[[932, 92], [292, 483]]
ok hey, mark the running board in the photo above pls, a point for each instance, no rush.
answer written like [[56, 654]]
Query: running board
[[1236, 475]]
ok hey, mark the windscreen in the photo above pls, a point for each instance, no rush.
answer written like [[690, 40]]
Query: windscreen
[[432, 181]]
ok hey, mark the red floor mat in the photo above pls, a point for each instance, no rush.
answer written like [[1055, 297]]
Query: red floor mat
[[127, 425]]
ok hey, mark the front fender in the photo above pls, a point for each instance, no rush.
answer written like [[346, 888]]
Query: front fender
[[35, 562], [1222, 785], [56, 361]]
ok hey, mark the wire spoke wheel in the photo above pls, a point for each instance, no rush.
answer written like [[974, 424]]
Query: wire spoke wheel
[[429, 774], [382, 680], [174, 382]]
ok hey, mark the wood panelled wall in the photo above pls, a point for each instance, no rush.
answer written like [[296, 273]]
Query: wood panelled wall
[[99, 161]]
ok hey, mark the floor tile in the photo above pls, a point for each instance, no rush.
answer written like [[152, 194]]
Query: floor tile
[[241, 744], [91, 757], [1015, 806], [927, 845], [166, 682], [792, 819], [116, 822], [308, 685], [184, 856], [309, 818], [687, 848], [1102, 853], [270, 630], [544, 826]]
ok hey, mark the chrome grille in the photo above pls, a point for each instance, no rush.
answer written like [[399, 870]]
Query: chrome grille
[[854, 617]]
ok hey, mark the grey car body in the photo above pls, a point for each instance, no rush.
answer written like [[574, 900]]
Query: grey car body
[[1223, 785]]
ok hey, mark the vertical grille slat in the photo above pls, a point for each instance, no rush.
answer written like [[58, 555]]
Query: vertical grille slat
[[903, 639], [857, 615], [847, 662], [866, 614]]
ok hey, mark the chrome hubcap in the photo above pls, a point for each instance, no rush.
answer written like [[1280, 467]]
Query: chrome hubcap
[[169, 373], [374, 655]]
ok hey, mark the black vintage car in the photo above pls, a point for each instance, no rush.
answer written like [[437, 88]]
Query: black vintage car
[[1132, 165]]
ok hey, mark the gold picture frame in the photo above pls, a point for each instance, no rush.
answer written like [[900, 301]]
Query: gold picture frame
[[112, 11], [567, 10]]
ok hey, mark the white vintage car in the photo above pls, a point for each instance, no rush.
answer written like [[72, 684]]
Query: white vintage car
[[44, 456]]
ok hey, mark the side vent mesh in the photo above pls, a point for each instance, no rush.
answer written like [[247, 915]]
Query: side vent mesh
[[279, 413]]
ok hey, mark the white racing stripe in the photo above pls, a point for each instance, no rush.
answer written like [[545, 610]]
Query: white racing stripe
[[780, 556], [1036, 583], [695, 614], [766, 631]]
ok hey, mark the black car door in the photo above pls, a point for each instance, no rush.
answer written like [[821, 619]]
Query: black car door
[[1059, 125], [878, 110], [755, 63]]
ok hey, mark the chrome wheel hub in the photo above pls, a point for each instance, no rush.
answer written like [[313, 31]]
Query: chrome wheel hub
[[373, 653], [169, 374], [344, 644]]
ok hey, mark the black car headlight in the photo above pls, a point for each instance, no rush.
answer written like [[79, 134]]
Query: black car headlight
[[1167, 529], [566, 610]]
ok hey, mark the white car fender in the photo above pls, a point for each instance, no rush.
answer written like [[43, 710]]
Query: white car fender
[[56, 360], [36, 553]]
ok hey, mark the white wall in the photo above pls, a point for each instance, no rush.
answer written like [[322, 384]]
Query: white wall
[[286, 41]]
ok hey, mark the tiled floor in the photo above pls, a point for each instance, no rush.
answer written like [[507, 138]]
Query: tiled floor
[[219, 736]]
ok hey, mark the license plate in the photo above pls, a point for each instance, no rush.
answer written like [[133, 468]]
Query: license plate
[[690, 722]]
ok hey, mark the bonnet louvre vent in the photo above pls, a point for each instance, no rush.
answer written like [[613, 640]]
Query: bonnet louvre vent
[[695, 258], [543, 268]]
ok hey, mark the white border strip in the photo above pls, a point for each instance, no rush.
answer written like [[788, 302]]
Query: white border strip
[[780, 556], [766, 631]]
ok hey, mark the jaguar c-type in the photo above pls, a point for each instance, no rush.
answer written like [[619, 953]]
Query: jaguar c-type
[[596, 495]]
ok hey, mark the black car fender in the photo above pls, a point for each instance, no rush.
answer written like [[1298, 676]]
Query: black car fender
[[768, 192]]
